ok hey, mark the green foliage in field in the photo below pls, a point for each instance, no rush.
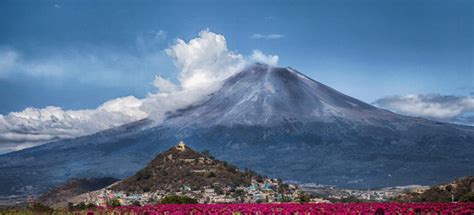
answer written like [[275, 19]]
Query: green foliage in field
[[174, 199], [113, 202]]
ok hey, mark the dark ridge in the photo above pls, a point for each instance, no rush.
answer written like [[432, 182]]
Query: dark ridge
[[74, 187]]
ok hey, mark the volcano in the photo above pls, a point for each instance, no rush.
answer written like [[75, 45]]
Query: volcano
[[273, 120]]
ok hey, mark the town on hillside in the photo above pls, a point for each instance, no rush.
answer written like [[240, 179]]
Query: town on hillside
[[181, 171], [259, 191]]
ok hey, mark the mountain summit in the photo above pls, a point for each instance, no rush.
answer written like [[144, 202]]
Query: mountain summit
[[180, 167], [273, 120], [266, 95]]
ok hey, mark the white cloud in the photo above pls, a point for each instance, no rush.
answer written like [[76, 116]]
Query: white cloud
[[164, 85], [11, 63], [258, 56], [434, 106], [95, 66], [126, 106], [8, 60], [204, 60], [33, 126], [267, 36], [202, 64]]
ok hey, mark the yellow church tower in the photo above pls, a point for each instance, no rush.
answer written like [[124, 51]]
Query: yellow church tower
[[181, 146]]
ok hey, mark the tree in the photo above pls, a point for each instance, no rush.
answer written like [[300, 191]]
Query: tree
[[136, 203], [450, 190], [81, 206], [113, 203], [152, 200], [209, 174], [143, 174], [218, 190], [469, 197], [303, 198], [174, 199], [70, 206], [285, 198], [239, 194]]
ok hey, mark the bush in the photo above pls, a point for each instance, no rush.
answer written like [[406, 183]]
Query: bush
[[173, 199], [218, 190], [143, 175], [210, 174], [70, 206], [469, 197], [350, 199], [113, 203], [303, 198], [80, 206], [136, 203], [40, 208]]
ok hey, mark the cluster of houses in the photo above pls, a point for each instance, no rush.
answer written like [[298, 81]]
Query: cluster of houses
[[380, 195], [368, 195], [263, 191]]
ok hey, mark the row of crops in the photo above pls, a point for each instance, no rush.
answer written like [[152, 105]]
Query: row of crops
[[294, 209]]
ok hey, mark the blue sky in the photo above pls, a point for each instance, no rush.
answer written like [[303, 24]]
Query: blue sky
[[367, 49], [395, 54]]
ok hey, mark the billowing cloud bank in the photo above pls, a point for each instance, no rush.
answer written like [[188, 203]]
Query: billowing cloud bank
[[202, 64], [33, 126], [458, 109]]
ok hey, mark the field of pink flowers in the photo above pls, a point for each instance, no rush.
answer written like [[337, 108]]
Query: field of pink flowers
[[293, 209]]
